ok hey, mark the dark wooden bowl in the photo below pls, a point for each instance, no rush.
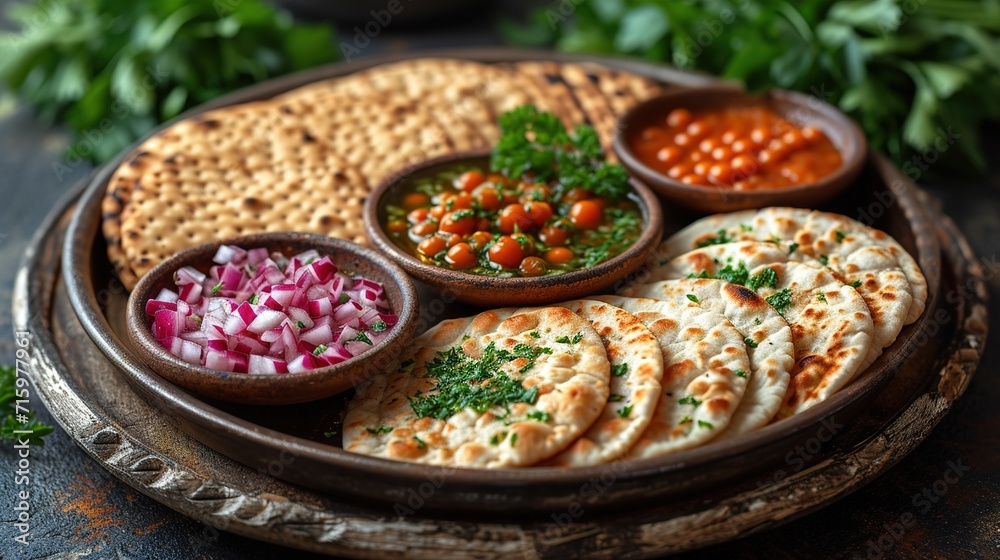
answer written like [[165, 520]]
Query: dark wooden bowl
[[286, 388], [489, 291], [799, 108]]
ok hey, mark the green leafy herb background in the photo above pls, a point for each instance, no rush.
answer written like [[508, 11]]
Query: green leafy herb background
[[113, 69], [902, 69]]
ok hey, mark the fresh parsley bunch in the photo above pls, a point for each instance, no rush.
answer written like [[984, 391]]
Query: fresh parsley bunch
[[113, 69], [536, 142], [919, 77], [8, 416]]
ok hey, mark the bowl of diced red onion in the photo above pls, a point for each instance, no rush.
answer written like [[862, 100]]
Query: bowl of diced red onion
[[277, 318]]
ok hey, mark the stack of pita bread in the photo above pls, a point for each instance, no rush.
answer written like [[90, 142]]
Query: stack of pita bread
[[744, 319], [306, 160]]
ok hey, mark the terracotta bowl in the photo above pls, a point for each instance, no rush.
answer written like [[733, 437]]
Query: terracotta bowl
[[287, 388], [489, 291], [798, 108]]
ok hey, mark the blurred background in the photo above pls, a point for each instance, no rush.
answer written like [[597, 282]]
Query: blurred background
[[906, 70]]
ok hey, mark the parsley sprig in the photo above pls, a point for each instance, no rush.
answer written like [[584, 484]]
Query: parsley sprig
[[536, 142], [8, 413]]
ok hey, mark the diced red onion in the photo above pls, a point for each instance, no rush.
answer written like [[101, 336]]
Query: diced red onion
[[266, 314]]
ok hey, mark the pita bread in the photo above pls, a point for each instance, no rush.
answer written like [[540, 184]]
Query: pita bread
[[702, 354], [571, 381], [871, 270], [831, 330], [636, 371], [771, 360], [818, 235]]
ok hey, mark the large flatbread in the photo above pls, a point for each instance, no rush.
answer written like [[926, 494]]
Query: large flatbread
[[270, 179], [702, 354], [772, 357], [571, 381], [821, 235], [870, 270], [372, 122], [636, 371]]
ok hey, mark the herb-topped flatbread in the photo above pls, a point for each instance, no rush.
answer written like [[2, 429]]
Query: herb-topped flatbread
[[830, 238], [831, 329], [767, 335], [636, 371], [705, 367], [506, 391], [872, 271]]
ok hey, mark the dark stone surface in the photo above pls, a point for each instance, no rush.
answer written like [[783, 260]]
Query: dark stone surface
[[81, 511]]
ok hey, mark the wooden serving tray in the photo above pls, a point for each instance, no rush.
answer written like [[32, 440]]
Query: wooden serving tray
[[127, 417], [259, 436], [94, 403]]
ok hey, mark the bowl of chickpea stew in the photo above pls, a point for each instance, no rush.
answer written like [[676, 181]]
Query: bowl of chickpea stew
[[486, 238], [720, 149]]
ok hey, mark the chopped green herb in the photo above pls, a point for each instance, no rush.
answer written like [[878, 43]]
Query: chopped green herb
[[606, 241], [745, 228], [686, 420], [767, 277], [362, 337], [721, 238], [420, 443], [781, 300], [774, 239], [534, 334], [253, 299], [824, 260], [476, 383], [856, 284], [704, 424], [741, 373], [792, 248], [616, 398], [689, 400], [822, 297], [567, 340], [300, 324], [750, 342], [625, 411], [539, 415], [497, 438], [320, 349], [329, 434], [732, 275], [378, 326], [702, 274], [310, 261], [693, 298], [619, 370], [757, 321], [379, 430], [344, 298], [513, 439], [840, 236], [216, 288]]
